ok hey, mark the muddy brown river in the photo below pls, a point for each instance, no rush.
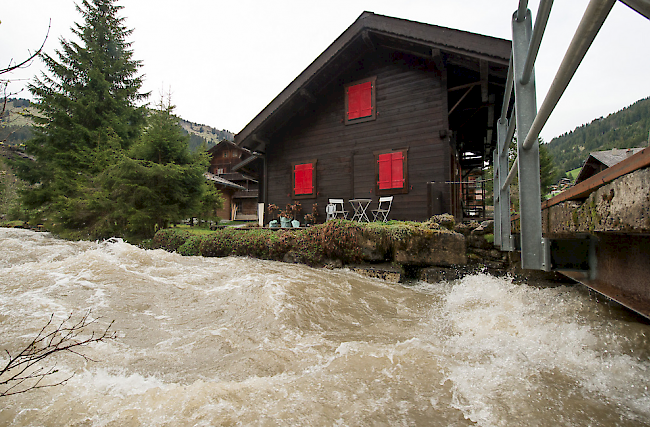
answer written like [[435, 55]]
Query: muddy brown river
[[245, 342]]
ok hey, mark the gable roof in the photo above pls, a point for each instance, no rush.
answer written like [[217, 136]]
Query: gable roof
[[608, 158], [611, 157], [367, 32]]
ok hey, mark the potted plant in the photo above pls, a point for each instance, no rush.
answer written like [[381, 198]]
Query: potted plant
[[312, 218], [285, 220], [272, 209], [294, 213]]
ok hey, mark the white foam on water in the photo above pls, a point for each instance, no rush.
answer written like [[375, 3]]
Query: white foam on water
[[510, 339]]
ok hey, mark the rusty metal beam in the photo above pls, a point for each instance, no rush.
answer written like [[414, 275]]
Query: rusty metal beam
[[620, 270]]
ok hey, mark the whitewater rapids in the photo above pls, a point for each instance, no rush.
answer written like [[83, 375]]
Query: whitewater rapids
[[238, 341]]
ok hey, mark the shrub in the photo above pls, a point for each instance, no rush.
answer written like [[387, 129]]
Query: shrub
[[170, 239], [338, 239], [217, 244], [191, 246]]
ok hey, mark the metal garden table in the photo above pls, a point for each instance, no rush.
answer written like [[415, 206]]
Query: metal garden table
[[360, 207]]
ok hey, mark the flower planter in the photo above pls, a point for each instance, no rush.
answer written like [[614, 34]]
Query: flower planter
[[285, 222], [295, 223]]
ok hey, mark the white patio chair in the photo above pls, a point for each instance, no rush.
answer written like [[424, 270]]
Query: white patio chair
[[338, 208], [383, 209], [329, 210]]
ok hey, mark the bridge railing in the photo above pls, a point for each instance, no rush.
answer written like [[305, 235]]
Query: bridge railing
[[528, 122]]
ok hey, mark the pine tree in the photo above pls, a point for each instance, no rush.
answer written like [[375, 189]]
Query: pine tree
[[87, 116], [160, 180], [548, 173]]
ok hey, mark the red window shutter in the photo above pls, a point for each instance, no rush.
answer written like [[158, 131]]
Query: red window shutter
[[360, 100], [384, 163], [365, 99], [397, 170], [303, 179], [353, 102], [391, 170]]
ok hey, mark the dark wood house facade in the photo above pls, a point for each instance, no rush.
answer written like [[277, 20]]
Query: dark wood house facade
[[392, 107]]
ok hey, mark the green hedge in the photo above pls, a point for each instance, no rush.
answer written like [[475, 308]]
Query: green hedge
[[170, 239]]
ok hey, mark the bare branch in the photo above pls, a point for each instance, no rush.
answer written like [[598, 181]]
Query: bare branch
[[22, 373], [32, 56]]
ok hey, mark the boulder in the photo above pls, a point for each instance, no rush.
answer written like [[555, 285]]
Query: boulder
[[444, 220], [486, 227], [478, 241], [372, 247], [430, 247], [439, 274], [465, 228]]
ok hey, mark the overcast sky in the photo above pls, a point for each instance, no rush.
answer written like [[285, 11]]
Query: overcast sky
[[224, 61]]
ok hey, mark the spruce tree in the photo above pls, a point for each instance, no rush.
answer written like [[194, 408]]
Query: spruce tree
[[87, 116], [548, 173], [160, 180]]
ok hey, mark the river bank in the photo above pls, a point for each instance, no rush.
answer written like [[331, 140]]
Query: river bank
[[430, 251]]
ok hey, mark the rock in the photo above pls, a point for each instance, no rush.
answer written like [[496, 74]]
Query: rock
[[486, 227], [291, 257], [436, 248], [444, 220], [478, 241], [438, 274], [390, 275], [336, 263], [465, 228], [372, 249]]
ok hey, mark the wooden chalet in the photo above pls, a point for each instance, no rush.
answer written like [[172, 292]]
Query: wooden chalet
[[238, 185], [391, 107], [598, 161]]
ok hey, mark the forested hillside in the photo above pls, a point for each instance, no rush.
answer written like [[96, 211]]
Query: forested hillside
[[199, 133], [626, 128], [16, 124]]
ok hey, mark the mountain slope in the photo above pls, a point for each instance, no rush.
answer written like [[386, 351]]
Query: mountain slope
[[627, 128], [15, 126]]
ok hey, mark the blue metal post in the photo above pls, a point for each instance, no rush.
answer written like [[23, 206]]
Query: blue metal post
[[496, 191], [530, 206], [504, 193]]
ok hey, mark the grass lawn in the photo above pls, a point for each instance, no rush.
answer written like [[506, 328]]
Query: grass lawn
[[574, 173], [194, 230]]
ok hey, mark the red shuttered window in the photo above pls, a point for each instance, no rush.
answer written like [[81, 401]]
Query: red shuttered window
[[391, 172], [304, 180], [360, 101]]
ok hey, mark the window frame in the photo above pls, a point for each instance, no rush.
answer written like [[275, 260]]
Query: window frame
[[314, 192], [390, 191], [373, 100]]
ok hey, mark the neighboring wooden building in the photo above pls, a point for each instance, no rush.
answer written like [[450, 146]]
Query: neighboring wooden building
[[598, 161], [239, 186], [391, 107]]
